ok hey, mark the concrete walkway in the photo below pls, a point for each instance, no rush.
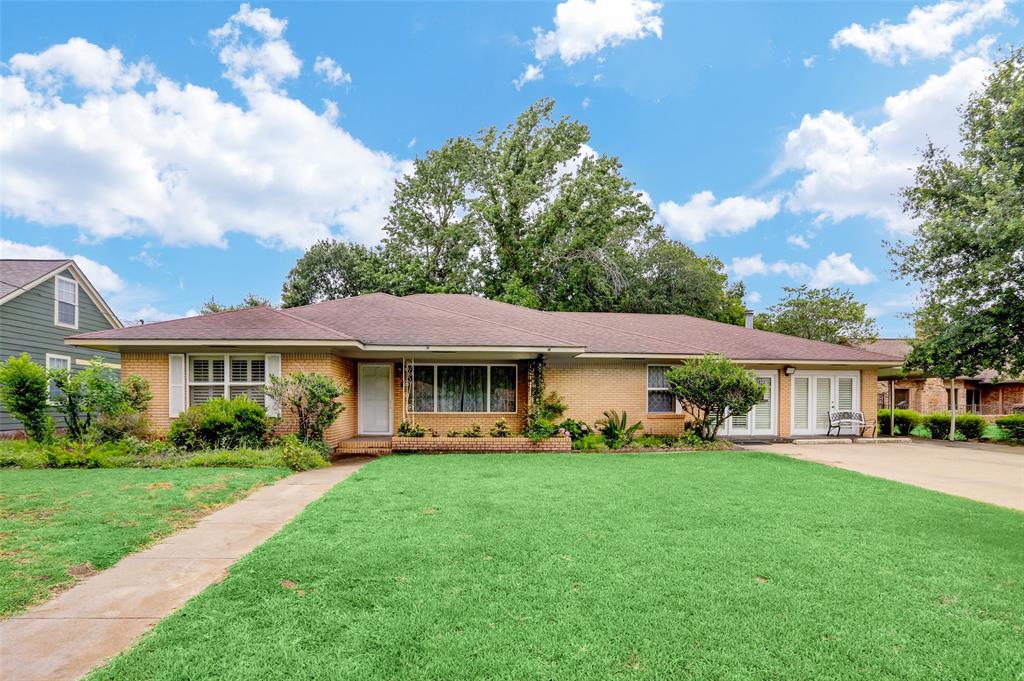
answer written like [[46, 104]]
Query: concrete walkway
[[75, 632], [984, 472]]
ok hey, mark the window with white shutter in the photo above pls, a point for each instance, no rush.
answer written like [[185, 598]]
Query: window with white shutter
[[176, 385]]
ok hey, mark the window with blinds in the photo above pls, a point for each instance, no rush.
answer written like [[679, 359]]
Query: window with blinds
[[763, 409], [226, 377], [66, 302], [801, 402], [844, 392], [660, 399]]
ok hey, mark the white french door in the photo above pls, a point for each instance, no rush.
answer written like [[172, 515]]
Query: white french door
[[761, 419], [374, 394], [816, 393]]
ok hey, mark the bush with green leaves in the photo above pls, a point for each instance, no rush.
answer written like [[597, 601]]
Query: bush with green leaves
[[474, 430], [591, 442], [1013, 426], [711, 388], [313, 398], [969, 426], [94, 403], [238, 422], [25, 394], [501, 429], [906, 421], [616, 429], [540, 429], [575, 429], [454, 432], [409, 429], [300, 456]]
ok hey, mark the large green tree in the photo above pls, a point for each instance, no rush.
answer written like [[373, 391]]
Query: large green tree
[[968, 248], [823, 314], [211, 306], [528, 214]]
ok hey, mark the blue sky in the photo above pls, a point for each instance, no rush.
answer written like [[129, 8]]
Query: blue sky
[[183, 150]]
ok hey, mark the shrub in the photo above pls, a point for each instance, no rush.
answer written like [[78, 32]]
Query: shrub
[[24, 392], [591, 442], [1013, 426], [575, 429], [711, 388], [312, 397], [22, 454], [473, 431], [94, 403], [617, 433], [454, 432], [906, 421], [113, 427], [410, 429], [501, 429], [968, 426], [540, 429], [239, 422], [552, 407], [300, 456]]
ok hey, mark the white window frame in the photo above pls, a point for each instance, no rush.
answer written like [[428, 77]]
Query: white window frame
[[773, 402], [677, 408], [227, 382], [487, 387], [49, 382], [56, 301]]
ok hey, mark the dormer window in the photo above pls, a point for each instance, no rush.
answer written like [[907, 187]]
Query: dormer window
[[65, 302]]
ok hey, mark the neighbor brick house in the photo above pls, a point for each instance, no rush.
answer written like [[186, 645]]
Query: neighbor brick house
[[449, 361], [987, 393]]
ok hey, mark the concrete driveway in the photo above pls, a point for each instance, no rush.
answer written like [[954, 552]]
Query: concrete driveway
[[989, 473]]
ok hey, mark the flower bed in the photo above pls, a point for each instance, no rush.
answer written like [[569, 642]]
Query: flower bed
[[480, 444]]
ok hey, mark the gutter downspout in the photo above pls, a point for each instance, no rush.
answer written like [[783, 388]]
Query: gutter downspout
[[892, 408]]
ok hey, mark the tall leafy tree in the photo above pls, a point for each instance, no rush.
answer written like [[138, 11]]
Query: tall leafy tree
[[211, 306], [968, 247], [824, 314], [528, 214]]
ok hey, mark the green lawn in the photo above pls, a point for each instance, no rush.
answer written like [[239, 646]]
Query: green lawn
[[59, 524], [712, 565]]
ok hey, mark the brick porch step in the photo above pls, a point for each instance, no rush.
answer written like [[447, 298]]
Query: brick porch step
[[372, 446]]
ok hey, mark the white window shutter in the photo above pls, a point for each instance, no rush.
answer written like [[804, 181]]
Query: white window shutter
[[273, 364], [176, 385]]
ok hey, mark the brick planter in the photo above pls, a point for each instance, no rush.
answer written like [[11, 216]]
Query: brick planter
[[479, 444]]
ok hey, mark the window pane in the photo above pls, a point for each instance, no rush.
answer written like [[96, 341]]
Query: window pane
[[197, 394], [257, 370], [844, 388], [66, 291], [65, 312], [239, 371], [801, 390], [503, 389], [660, 402], [217, 370], [200, 370], [763, 409], [656, 376], [253, 392], [423, 389], [461, 389]]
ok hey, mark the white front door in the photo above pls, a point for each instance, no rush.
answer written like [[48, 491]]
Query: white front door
[[374, 399], [760, 420], [815, 394]]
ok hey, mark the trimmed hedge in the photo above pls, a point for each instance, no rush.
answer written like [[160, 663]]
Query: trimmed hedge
[[221, 423], [1013, 426], [970, 426], [906, 421]]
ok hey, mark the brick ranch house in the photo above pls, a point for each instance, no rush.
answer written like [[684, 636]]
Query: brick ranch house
[[450, 361], [987, 394]]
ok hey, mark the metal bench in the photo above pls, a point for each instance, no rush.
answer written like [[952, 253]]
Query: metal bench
[[848, 418]]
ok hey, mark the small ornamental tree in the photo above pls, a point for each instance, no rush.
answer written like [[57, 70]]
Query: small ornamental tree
[[710, 389], [312, 397], [24, 392]]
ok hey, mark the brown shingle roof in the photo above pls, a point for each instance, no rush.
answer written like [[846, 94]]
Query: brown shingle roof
[[894, 347], [380, 319], [14, 274]]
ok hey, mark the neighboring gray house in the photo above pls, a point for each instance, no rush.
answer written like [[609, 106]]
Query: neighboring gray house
[[41, 303]]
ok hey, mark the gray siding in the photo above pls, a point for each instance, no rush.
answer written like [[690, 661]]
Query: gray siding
[[26, 325]]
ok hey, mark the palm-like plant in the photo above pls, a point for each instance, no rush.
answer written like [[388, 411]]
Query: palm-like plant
[[616, 430]]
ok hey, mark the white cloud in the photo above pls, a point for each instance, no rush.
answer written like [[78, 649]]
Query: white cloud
[[252, 48], [928, 32], [531, 73], [831, 270], [585, 103], [86, 65], [411, 144], [854, 170], [585, 27], [701, 216], [102, 277], [809, 61], [177, 162], [752, 298], [330, 71], [798, 241], [839, 269]]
